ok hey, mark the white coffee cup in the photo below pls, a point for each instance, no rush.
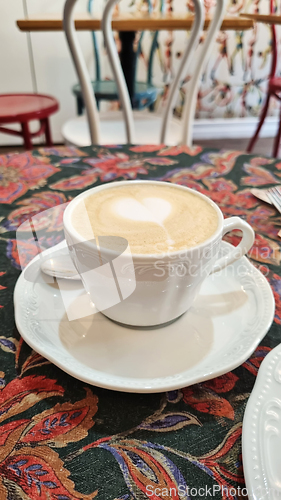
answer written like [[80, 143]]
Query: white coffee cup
[[149, 290]]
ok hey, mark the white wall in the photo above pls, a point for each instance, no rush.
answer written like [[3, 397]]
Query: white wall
[[54, 70], [15, 75]]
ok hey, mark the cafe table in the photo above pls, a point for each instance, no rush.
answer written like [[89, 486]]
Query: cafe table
[[262, 18], [127, 24], [62, 438], [139, 21]]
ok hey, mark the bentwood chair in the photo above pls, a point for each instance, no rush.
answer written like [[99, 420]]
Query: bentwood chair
[[273, 90], [143, 94], [126, 125]]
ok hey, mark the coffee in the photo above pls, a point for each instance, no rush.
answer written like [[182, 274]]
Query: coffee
[[154, 218]]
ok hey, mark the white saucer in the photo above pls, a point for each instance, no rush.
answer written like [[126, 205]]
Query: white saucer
[[261, 438], [231, 315]]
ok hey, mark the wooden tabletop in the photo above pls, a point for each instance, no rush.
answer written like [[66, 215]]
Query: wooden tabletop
[[129, 22], [262, 18]]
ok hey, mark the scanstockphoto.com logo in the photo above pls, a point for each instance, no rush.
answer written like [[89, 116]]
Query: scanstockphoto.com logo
[[216, 491]]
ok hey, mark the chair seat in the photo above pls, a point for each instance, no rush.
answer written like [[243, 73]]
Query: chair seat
[[112, 127], [107, 90], [19, 108], [275, 84]]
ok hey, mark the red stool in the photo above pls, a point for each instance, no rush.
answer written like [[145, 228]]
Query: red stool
[[22, 108]]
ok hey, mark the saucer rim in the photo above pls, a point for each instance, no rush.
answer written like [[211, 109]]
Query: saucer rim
[[161, 384]]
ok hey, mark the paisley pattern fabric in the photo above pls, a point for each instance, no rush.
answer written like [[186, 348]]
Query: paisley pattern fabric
[[61, 439]]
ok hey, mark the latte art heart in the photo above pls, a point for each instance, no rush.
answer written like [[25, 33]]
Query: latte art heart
[[154, 218], [147, 210]]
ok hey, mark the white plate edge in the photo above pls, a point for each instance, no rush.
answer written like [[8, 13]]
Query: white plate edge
[[247, 427]]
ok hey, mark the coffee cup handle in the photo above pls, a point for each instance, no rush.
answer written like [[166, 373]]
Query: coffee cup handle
[[244, 246]]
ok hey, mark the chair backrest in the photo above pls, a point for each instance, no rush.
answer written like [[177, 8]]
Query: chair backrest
[[272, 8], [95, 45], [200, 62], [154, 43], [84, 78], [123, 92], [85, 82], [82, 71], [191, 98], [153, 47]]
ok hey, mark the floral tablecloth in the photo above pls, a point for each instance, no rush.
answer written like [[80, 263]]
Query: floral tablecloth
[[62, 439]]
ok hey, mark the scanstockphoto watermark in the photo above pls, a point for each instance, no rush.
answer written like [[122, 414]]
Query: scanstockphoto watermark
[[98, 262], [185, 492], [109, 272], [163, 270]]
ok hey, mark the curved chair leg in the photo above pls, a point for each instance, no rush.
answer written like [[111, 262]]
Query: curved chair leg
[[277, 139], [48, 135], [262, 118], [26, 135]]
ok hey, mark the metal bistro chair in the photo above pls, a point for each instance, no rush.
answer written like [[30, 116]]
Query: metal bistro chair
[[273, 90], [136, 127], [143, 94]]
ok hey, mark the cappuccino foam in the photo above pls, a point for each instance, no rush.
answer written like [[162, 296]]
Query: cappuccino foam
[[153, 218]]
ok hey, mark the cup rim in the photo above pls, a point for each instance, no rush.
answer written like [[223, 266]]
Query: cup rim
[[79, 238]]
